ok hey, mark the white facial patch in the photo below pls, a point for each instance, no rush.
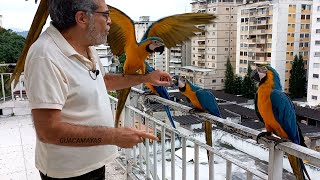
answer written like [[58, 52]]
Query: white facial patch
[[261, 75], [181, 84]]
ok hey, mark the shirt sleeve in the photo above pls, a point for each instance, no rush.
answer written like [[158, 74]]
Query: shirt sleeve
[[46, 84]]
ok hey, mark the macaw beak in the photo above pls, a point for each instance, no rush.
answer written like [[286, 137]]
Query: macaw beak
[[159, 49], [255, 76], [175, 80]]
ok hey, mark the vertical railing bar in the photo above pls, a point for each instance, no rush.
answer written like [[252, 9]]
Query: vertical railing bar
[[134, 161], [126, 123], [20, 84], [249, 175], [184, 159], [155, 174], [275, 166], [140, 145], [196, 162], [12, 89], [3, 92], [173, 141], [228, 170], [163, 151], [147, 149], [211, 166]]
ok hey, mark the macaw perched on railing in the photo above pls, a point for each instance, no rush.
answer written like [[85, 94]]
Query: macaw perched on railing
[[166, 32], [202, 100], [160, 91], [38, 22], [275, 109]]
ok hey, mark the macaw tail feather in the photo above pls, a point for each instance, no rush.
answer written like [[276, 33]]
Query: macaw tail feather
[[298, 168], [122, 98], [38, 22], [208, 131], [170, 116]]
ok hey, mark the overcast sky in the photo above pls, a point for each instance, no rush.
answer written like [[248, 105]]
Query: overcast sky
[[18, 14]]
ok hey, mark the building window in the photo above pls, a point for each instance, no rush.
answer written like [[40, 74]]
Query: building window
[[214, 81], [316, 54], [314, 97], [317, 42], [317, 31], [318, 8], [314, 87], [316, 76], [316, 65], [318, 19]]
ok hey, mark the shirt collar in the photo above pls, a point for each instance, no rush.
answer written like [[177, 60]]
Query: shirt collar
[[61, 42]]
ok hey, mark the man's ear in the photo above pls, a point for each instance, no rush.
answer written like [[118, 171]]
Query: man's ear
[[82, 19]]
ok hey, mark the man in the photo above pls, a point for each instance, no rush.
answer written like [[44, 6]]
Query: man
[[67, 90]]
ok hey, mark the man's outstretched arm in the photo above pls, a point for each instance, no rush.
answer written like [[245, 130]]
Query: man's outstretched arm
[[120, 81]]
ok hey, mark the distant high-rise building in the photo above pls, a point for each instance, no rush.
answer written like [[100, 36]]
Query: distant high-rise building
[[0, 20], [314, 61], [212, 48], [273, 32]]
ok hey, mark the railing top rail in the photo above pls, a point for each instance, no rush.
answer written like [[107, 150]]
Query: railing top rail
[[313, 157]]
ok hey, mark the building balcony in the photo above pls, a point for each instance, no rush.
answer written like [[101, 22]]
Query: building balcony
[[183, 150]]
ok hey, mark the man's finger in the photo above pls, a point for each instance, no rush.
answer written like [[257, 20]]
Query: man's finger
[[149, 136], [164, 83]]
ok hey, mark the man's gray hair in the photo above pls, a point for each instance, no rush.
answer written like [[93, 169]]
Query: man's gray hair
[[62, 12]]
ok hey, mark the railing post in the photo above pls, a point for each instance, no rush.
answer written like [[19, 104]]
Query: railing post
[[184, 160], [211, 166], [196, 162], [228, 171], [275, 166], [163, 151], [173, 174]]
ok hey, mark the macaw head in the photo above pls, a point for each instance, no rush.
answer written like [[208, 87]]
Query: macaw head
[[267, 75], [156, 45], [183, 83]]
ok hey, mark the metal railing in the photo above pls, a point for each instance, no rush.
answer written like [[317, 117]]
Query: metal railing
[[144, 157], [141, 161]]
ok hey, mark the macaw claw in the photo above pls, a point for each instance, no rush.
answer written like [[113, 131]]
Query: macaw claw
[[146, 93], [263, 134], [281, 141], [195, 110]]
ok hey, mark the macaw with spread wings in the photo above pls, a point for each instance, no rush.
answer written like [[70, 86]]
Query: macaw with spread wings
[[166, 32]]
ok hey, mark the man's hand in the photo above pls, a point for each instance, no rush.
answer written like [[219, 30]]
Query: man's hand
[[129, 137], [159, 78]]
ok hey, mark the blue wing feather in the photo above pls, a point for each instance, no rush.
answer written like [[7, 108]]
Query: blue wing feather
[[208, 102], [162, 92], [284, 112]]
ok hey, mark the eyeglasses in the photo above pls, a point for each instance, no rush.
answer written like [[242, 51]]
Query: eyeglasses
[[104, 13]]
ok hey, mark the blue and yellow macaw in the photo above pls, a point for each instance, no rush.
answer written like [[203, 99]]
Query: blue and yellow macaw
[[38, 22], [160, 91], [201, 99], [277, 112], [166, 32]]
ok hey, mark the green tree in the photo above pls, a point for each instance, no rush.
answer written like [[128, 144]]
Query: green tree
[[297, 80], [237, 85], [122, 59], [11, 45], [248, 85], [229, 78]]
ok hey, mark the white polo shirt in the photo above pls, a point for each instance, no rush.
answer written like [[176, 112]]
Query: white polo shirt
[[57, 77]]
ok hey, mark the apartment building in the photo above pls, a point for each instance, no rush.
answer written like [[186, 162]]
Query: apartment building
[[105, 55], [212, 48], [273, 32], [1, 20], [313, 95]]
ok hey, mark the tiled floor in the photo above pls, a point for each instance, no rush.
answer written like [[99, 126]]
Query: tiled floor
[[17, 146]]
